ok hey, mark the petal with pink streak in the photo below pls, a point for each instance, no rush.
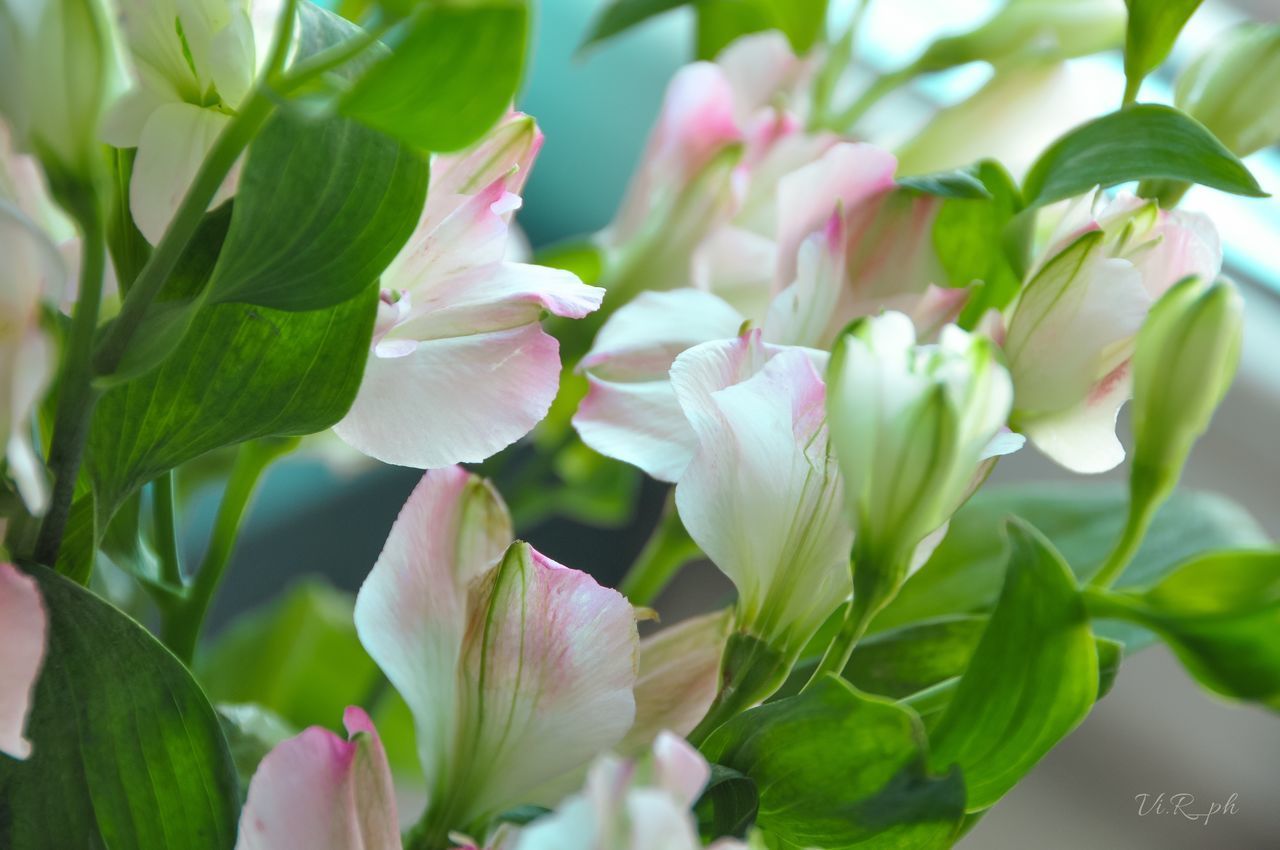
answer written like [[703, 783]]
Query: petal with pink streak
[[1189, 245], [679, 768], [1082, 438], [22, 644], [316, 791], [454, 400], [637, 422], [473, 234], [843, 176], [411, 611], [495, 298], [640, 340], [679, 676], [695, 123], [762, 494], [549, 665], [505, 153]]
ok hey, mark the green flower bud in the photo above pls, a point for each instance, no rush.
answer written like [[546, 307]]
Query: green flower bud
[[1231, 88], [1186, 356], [911, 425], [62, 68]]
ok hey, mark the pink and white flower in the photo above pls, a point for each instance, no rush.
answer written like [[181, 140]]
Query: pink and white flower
[[1071, 334], [460, 366], [23, 624]]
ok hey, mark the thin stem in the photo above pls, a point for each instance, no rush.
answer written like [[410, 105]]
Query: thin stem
[[883, 86], [329, 59], [1135, 529], [71, 422], [824, 84], [163, 514], [182, 625], [284, 38], [668, 549], [750, 672], [1131, 86], [840, 650], [213, 171]]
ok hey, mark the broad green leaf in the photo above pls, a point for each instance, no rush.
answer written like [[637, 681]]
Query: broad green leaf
[[969, 239], [903, 661], [451, 74], [1141, 142], [79, 541], [322, 208], [241, 372], [621, 15], [1082, 521], [1031, 680], [722, 21], [1153, 28], [299, 658], [127, 751], [1220, 614], [836, 767], [728, 804]]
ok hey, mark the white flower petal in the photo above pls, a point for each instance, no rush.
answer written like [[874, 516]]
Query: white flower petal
[[171, 148], [22, 649]]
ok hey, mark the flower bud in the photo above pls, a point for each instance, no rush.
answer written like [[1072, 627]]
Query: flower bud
[[62, 69], [1231, 88], [910, 425], [1187, 353]]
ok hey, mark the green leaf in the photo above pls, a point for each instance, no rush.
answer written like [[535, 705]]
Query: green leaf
[[1032, 679], [969, 239], [1153, 28], [322, 208], [299, 658], [903, 661], [1141, 142], [127, 751], [241, 372], [836, 767], [621, 15], [961, 183], [251, 731], [1082, 521], [1220, 614], [728, 804], [722, 21], [452, 72]]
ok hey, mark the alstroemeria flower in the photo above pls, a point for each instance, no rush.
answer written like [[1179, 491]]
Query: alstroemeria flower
[[628, 805], [33, 270], [317, 791], [878, 255], [194, 63], [22, 646], [518, 671], [911, 425], [460, 366], [1072, 331]]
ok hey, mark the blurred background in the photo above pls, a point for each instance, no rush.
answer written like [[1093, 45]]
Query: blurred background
[[1156, 732]]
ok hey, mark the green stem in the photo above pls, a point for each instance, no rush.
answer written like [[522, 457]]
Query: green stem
[[668, 549], [71, 422], [750, 672], [231, 142], [883, 86], [824, 84], [1131, 86], [182, 624], [329, 59], [1135, 529], [163, 516]]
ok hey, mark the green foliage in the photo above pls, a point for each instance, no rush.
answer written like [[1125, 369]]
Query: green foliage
[[728, 804], [1141, 142], [1031, 680], [127, 751], [299, 658], [1082, 521], [621, 15], [450, 75], [835, 768], [1220, 614], [962, 183], [1153, 28], [322, 208], [240, 372], [722, 21]]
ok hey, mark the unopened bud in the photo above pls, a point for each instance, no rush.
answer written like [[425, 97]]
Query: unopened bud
[[1231, 88]]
